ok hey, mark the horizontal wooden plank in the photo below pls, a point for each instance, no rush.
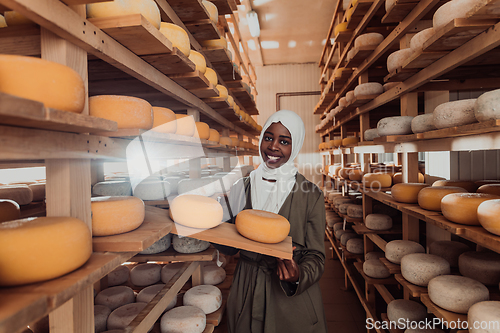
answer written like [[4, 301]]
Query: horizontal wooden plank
[[398, 12], [170, 63], [370, 280], [393, 268], [223, 6], [203, 29], [172, 255], [217, 102], [189, 10], [81, 2], [414, 290], [444, 315], [484, 9], [192, 80], [20, 40], [217, 54], [360, 54]]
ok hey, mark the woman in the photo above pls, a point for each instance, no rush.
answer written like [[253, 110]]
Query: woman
[[269, 294]]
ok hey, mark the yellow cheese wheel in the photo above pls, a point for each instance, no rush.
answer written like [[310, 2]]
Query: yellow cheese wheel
[[470, 186], [211, 76], [340, 28], [462, 207], [224, 140], [185, 125], [490, 189], [128, 112], [207, 213], [429, 198], [215, 43], [223, 93], [350, 141], [330, 144], [349, 13], [235, 141], [42, 248], [230, 100], [177, 36], [199, 61], [487, 214], [407, 192], [3, 23], [214, 135], [356, 175], [202, 130], [9, 210], [398, 178], [13, 18], [212, 11], [164, 120], [262, 226], [377, 180], [55, 85], [338, 75], [116, 215], [146, 8], [337, 142]]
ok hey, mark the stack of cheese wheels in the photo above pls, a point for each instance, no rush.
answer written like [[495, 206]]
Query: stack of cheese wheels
[[462, 207], [487, 188], [469, 186], [423, 123], [212, 11], [202, 130], [400, 125], [112, 188], [215, 43], [376, 181], [183, 244], [118, 276], [146, 8], [208, 212], [487, 214], [116, 215], [420, 268], [405, 310], [455, 113], [429, 198], [397, 178], [396, 59], [164, 120], [371, 134], [185, 125], [378, 222], [21, 194], [147, 294], [449, 250], [483, 312], [145, 274], [9, 210], [128, 112], [481, 266], [211, 76], [114, 297], [418, 40], [407, 192], [42, 248], [395, 250], [374, 268], [368, 89], [350, 141], [120, 318], [186, 319], [177, 36], [456, 293], [262, 226], [450, 11], [206, 297], [486, 108]]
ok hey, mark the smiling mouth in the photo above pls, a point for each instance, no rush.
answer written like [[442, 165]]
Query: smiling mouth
[[272, 158]]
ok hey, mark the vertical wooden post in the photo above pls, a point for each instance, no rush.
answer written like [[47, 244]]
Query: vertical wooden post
[[96, 171], [364, 124]]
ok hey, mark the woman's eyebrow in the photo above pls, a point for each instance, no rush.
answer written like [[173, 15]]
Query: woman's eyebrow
[[285, 136]]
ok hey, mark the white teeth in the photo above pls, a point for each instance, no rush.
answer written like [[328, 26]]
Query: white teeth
[[274, 158]]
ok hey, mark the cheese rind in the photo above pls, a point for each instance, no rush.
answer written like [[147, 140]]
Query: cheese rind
[[407, 192], [213, 274], [212, 11], [215, 43], [160, 245], [121, 317], [211, 76], [262, 226], [402, 309], [400, 125], [378, 222], [208, 212], [449, 250], [214, 135], [9, 210], [188, 244], [395, 250], [489, 189], [396, 59], [164, 120], [112, 188], [38, 190], [184, 319], [178, 36], [367, 89], [128, 112], [420, 268], [206, 297], [101, 314], [487, 214], [418, 40], [374, 268], [371, 134], [145, 274], [377, 180], [462, 207], [185, 125], [481, 266], [450, 11], [116, 215], [355, 245], [118, 276], [481, 313], [429, 198], [146, 8], [469, 186], [456, 113], [114, 297], [487, 106], [372, 38], [423, 123], [223, 93]]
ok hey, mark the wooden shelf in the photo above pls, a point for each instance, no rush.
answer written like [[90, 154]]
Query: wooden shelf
[[398, 11], [370, 280], [361, 229], [441, 313], [203, 29], [393, 268], [172, 255], [414, 290], [360, 54], [360, 9]]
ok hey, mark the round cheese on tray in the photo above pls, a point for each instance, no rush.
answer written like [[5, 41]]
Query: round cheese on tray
[[400, 125], [487, 214], [486, 106], [403, 309], [262, 226], [396, 59], [114, 297], [185, 125], [376, 181], [159, 246], [121, 317], [145, 274], [455, 113], [116, 215], [213, 274], [378, 222], [418, 40], [128, 112], [355, 245], [9, 210], [147, 294], [118, 276], [489, 189], [423, 123], [214, 43], [469, 186], [407, 192], [368, 89], [147, 8], [184, 319], [169, 270], [21, 194], [372, 38], [429, 198], [462, 207], [188, 244], [346, 236], [352, 140], [207, 213], [164, 120], [371, 134], [112, 188], [214, 135], [449, 250], [349, 96], [420, 268], [206, 297], [481, 266], [199, 60], [395, 250], [101, 314], [452, 10], [484, 315], [374, 268], [355, 211], [211, 76], [177, 36]]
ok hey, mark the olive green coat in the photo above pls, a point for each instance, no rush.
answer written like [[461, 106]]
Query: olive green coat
[[258, 300]]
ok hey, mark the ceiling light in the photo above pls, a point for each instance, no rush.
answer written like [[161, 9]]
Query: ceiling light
[[292, 44], [251, 45], [253, 23], [270, 44]]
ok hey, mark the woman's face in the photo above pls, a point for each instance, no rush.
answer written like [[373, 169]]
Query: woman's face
[[276, 146]]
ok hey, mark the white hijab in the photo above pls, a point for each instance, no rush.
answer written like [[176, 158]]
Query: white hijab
[[269, 196]]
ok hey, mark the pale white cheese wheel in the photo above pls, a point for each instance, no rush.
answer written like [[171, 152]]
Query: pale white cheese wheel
[[198, 186], [487, 106], [114, 297], [112, 188], [147, 8], [118, 276], [455, 113], [349, 96], [395, 250], [423, 123], [38, 190], [147, 294], [371, 38], [371, 134], [174, 182], [208, 212], [390, 85], [481, 266], [355, 245], [152, 190], [350, 54], [159, 246], [449, 250], [188, 244], [378, 222], [450, 11], [403, 309], [399, 125], [397, 59], [338, 226], [145, 274], [355, 211], [169, 270], [484, 317], [343, 102], [341, 232], [346, 236], [389, 4], [206, 297], [213, 274], [374, 268], [418, 40], [183, 319], [374, 255], [367, 89], [101, 314], [123, 316], [343, 208], [456, 293], [420, 268], [21, 194]]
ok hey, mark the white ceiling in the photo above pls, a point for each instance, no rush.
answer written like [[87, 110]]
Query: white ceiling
[[292, 31]]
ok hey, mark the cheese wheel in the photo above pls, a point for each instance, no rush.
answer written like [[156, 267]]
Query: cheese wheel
[[429, 198], [389, 4], [338, 226], [351, 54], [389, 85], [423, 123], [340, 232], [374, 268], [38, 190], [337, 142], [455, 113], [367, 89], [114, 297], [484, 316], [462, 207], [112, 188], [202, 130], [487, 214], [407, 192], [206, 297], [184, 319], [355, 211], [101, 314], [378, 222], [118, 276], [204, 186], [188, 245], [450, 11], [13, 18], [456, 293], [3, 23], [372, 38], [400, 310], [374, 255], [147, 8], [396, 59], [214, 135], [214, 43], [208, 212], [486, 106], [160, 245], [346, 236], [169, 270], [42, 248], [224, 140], [178, 36], [356, 175], [185, 125], [9, 210], [147, 294], [55, 85], [481, 266], [418, 40], [262, 226], [152, 190], [211, 76], [489, 189], [349, 96], [449, 250], [230, 100], [340, 28], [145, 274], [164, 120], [343, 101], [223, 93], [128, 112], [116, 215], [371, 134], [469, 186], [400, 125], [343, 208], [213, 274], [212, 11], [420, 268], [121, 317], [350, 141], [355, 245], [376, 181], [395, 250]]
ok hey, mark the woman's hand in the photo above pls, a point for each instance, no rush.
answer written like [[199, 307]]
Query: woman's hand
[[288, 270]]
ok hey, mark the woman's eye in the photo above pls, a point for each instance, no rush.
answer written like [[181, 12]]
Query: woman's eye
[[268, 138], [284, 142]]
